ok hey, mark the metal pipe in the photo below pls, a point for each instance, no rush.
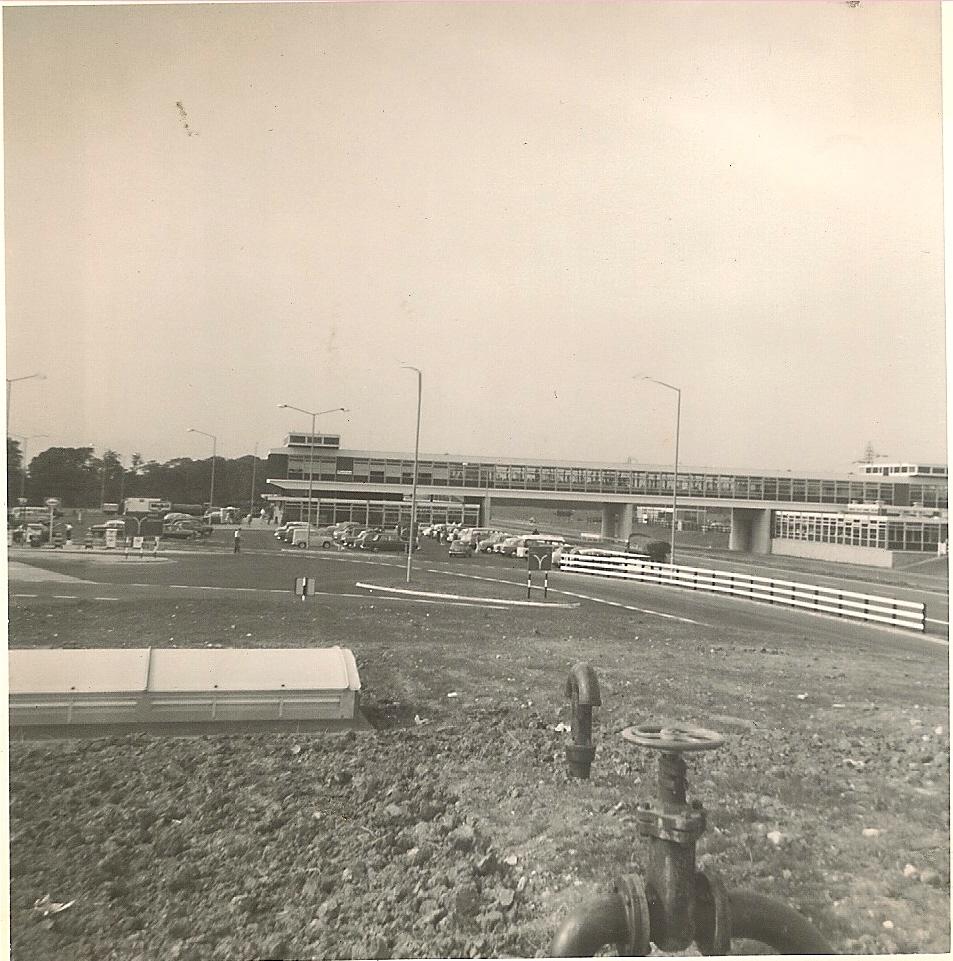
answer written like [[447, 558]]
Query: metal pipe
[[592, 925], [602, 921], [582, 689], [760, 918]]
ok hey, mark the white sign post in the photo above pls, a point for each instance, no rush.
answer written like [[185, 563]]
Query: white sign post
[[51, 503]]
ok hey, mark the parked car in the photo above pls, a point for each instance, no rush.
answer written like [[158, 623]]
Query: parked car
[[488, 544], [460, 548], [285, 532], [509, 546], [552, 540], [320, 536], [99, 530], [38, 533], [185, 526], [364, 536], [347, 534], [384, 542]]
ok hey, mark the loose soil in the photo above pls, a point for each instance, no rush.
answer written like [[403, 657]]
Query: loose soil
[[453, 830]]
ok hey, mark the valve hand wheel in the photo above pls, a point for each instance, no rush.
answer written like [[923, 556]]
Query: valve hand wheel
[[673, 737]]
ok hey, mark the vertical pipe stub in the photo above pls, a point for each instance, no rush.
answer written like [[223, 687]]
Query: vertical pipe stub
[[582, 689]]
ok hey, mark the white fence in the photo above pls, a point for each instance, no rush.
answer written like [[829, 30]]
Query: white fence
[[826, 600]]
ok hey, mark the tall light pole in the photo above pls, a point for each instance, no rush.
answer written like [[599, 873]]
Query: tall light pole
[[678, 418], [211, 493], [254, 464], [413, 495], [314, 415], [25, 441], [10, 382]]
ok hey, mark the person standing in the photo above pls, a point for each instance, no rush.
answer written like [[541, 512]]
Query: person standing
[[238, 540]]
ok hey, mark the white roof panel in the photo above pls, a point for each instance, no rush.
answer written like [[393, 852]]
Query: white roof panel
[[210, 669], [91, 671]]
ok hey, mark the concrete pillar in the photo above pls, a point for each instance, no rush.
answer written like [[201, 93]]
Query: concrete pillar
[[750, 530], [485, 506], [608, 521], [626, 521]]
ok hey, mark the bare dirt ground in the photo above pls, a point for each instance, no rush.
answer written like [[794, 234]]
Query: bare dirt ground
[[453, 830]]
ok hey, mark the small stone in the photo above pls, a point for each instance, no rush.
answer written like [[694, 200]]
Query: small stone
[[888, 925], [505, 897], [466, 901], [871, 832], [488, 864], [909, 871], [775, 837], [511, 860], [462, 838], [394, 810]]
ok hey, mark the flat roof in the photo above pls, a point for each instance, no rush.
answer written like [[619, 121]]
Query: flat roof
[[293, 669], [476, 460], [102, 671], [89, 671]]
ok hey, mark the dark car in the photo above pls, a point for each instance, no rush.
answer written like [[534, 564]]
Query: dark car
[[384, 542], [356, 538], [460, 548]]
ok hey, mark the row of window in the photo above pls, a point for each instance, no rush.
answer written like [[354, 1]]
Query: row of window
[[381, 513], [885, 533], [907, 470], [610, 481]]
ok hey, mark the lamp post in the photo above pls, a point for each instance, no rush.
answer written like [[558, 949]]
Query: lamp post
[[211, 493], [314, 415], [413, 495], [678, 417], [10, 382], [25, 440], [251, 502]]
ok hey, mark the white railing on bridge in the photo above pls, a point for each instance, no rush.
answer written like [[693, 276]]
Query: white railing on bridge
[[811, 597]]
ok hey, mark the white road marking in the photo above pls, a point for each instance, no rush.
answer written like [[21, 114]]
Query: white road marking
[[26, 595], [277, 590], [584, 597], [65, 597], [481, 601]]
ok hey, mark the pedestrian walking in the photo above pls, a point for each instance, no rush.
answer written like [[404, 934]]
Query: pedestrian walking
[[238, 540]]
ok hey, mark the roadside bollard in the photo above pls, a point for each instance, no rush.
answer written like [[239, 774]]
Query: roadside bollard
[[582, 689], [675, 905]]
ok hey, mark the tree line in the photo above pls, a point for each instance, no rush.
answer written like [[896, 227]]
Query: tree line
[[81, 479]]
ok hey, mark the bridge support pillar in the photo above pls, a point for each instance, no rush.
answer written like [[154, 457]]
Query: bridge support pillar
[[617, 520], [485, 511], [750, 530]]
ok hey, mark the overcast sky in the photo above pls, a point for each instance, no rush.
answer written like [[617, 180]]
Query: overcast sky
[[214, 209]]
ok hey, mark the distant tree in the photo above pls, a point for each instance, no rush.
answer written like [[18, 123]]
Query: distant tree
[[15, 469], [70, 473]]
